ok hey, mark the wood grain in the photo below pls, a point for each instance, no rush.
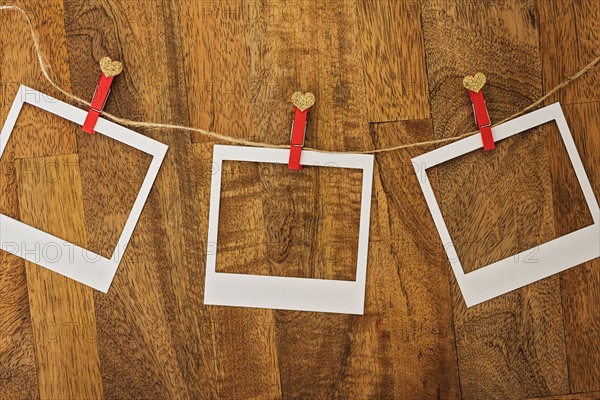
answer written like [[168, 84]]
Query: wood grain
[[278, 222], [62, 310], [409, 281], [317, 51], [36, 310], [394, 60], [18, 364], [580, 287], [512, 346], [501, 227], [568, 38], [156, 327], [243, 344], [219, 86], [575, 396], [384, 73]]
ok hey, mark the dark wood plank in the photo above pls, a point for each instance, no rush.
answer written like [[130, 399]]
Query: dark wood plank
[[394, 60], [569, 40], [580, 286], [512, 346], [575, 396], [409, 280]]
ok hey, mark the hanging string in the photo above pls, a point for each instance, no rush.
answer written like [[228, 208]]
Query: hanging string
[[239, 141]]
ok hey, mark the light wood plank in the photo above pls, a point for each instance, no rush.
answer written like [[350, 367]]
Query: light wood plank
[[18, 363], [241, 361], [217, 61]]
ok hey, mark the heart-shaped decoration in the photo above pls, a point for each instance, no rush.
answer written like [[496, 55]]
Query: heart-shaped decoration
[[474, 82], [303, 101], [110, 67]]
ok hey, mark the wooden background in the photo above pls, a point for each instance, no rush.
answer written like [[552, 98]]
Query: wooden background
[[384, 73]]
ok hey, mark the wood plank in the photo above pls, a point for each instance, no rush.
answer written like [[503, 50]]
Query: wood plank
[[61, 309], [18, 363], [315, 50], [409, 280], [217, 60], [394, 60], [240, 361], [133, 337], [580, 286], [152, 326], [318, 52], [512, 346], [569, 41], [20, 67], [568, 32], [575, 396], [18, 370]]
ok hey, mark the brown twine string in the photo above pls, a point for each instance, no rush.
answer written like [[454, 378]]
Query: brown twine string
[[238, 141]]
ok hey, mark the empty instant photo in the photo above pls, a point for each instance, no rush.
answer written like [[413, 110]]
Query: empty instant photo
[[554, 256], [73, 261], [302, 294]]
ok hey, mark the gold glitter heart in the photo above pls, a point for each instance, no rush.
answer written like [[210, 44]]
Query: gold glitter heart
[[303, 101], [475, 82], [110, 67]]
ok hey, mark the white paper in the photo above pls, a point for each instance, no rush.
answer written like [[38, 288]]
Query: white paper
[[50, 251], [550, 258], [303, 294]]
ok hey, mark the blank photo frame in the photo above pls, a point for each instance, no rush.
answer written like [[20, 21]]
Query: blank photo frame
[[303, 294], [63, 257], [554, 256]]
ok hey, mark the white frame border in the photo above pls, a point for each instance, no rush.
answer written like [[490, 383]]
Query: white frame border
[[287, 293], [554, 256], [76, 262]]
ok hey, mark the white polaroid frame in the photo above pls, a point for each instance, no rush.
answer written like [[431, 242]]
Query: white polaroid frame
[[303, 294], [50, 251], [552, 257]]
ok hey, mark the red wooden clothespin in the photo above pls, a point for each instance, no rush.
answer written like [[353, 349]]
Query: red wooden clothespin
[[302, 102], [474, 84], [110, 69]]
